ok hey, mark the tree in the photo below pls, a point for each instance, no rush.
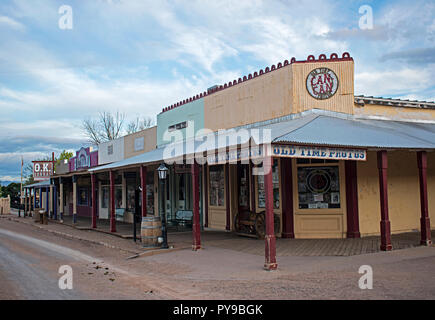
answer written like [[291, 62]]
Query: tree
[[12, 190], [64, 155], [139, 124], [105, 128]]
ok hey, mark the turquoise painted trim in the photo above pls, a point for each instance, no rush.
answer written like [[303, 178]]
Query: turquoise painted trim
[[192, 111]]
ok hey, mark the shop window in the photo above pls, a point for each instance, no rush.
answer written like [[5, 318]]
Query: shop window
[[105, 198], [217, 186], [318, 187], [118, 197], [131, 190], [261, 191], [184, 191], [150, 193], [83, 197]]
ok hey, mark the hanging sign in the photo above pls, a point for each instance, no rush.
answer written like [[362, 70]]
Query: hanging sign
[[319, 153]]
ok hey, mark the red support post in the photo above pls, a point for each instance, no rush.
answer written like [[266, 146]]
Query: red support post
[[205, 173], [383, 191], [143, 185], [352, 212], [424, 220], [270, 240], [287, 198], [196, 231], [94, 200], [112, 202], [227, 197], [252, 187]]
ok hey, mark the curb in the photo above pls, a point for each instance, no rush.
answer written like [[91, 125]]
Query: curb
[[145, 253], [70, 236]]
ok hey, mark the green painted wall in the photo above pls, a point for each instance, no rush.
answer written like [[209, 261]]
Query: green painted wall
[[192, 111]]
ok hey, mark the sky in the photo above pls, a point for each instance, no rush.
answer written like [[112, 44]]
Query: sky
[[138, 56]]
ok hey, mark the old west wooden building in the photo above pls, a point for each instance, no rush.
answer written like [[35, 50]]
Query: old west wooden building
[[343, 166]]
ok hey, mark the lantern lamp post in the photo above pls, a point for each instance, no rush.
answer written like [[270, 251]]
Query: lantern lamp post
[[163, 173]]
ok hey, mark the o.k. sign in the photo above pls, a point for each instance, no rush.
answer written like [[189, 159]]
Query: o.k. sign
[[42, 170], [322, 83]]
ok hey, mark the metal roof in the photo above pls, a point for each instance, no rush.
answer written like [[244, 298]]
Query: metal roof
[[334, 131], [313, 127], [41, 184], [148, 157]]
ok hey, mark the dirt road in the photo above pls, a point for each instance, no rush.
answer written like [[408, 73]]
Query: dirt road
[[30, 258]]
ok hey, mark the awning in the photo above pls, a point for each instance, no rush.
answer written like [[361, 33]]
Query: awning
[[41, 184], [366, 133], [311, 128]]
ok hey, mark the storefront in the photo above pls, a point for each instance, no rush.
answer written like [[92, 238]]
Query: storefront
[[335, 159]]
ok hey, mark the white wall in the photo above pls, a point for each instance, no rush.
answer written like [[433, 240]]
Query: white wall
[[118, 151]]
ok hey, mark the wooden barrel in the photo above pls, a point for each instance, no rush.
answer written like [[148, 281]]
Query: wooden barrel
[[151, 230]]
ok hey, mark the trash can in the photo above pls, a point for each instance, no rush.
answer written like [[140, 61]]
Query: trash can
[[43, 217]]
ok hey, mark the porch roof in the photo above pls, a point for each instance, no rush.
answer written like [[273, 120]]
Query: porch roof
[[40, 184], [313, 127]]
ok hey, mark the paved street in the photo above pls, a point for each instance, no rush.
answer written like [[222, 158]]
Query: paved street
[[30, 256]]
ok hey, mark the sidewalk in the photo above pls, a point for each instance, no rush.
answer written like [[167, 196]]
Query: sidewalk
[[122, 239]]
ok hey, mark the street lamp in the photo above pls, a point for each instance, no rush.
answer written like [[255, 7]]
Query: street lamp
[[163, 172]]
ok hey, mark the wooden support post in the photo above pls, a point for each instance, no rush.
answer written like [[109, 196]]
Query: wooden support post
[[94, 200], [47, 201], [270, 240], [112, 202], [51, 201], [61, 207], [287, 198], [383, 191], [54, 201], [25, 202], [352, 212], [143, 185], [196, 228], [227, 197], [424, 220], [205, 188], [74, 179]]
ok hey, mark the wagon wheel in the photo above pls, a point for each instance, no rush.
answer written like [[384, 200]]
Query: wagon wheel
[[260, 224], [237, 223], [276, 224], [252, 217]]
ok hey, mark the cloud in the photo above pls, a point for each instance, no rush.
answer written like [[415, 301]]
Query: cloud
[[404, 81], [11, 23], [378, 33], [414, 56]]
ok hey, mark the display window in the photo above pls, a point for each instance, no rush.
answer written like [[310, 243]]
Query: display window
[[105, 198], [261, 190], [318, 187], [131, 191], [83, 198], [217, 186], [118, 197], [150, 193]]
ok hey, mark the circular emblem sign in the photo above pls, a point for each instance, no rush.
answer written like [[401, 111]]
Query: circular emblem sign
[[318, 181], [322, 83]]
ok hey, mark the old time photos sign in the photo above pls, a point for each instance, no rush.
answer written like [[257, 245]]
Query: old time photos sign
[[319, 153], [322, 83]]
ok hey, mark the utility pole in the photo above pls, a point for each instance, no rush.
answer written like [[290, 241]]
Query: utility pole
[[21, 189]]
